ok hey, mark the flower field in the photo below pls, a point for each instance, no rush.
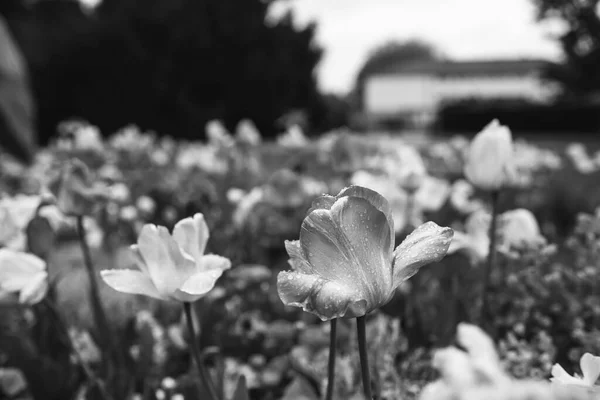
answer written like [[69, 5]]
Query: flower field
[[350, 266]]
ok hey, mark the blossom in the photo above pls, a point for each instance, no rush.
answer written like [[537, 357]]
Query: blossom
[[171, 266], [293, 137], [23, 273], [489, 161], [344, 264], [247, 133], [15, 214], [590, 367], [517, 230], [75, 191], [476, 373], [475, 240]]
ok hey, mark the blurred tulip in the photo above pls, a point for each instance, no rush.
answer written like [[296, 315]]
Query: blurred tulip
[[75, 191], [590, 368], [460, 197], [475, 241], [489, 162], [519, 229], [171, 267], [432, 193], [344, 264], [218, 135], [25, 274], [293, 137], [247, 133], [15, 214]]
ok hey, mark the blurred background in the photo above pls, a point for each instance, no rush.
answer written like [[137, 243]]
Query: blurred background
[[419, 66]]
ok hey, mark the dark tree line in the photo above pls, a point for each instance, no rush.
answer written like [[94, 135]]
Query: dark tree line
[[579, 73], [167, 65]]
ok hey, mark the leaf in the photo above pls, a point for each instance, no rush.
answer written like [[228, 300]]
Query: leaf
[[241, 392]]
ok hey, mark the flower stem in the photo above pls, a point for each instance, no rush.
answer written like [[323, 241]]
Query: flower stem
[[331, 365], [97, 308], [364, 359], [490, 264], [187, 309], [98, 312], [64, 330]]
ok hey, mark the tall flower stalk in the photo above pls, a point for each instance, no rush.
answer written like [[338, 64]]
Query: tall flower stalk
[[364, 358], [490, 262], [331, 363], [204, 375], [87, 370], [489, 166], [98, 311]]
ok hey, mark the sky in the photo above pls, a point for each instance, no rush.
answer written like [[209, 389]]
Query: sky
[[460, 29]]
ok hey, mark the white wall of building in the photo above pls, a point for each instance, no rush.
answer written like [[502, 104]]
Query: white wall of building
[[389, 94]]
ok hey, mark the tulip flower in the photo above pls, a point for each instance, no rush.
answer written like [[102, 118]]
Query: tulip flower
[[15, 213], [25, 274], [76, 193], [171, 267], [489, 162], [590, 368], [345, 265]]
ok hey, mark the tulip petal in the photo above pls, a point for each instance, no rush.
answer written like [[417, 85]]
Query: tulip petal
[[35, 290], [590, 367], [130, 281], [297, 260], [326, 299], [426, 244], [349, 245], [17, 269], [198, 285], [376, 200], [139, 259], [214, 262], [323, 202], [167, 266], [367, 238], [192, 235], [561, 376]]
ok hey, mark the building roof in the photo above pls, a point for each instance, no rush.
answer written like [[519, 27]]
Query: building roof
[[500, 67]]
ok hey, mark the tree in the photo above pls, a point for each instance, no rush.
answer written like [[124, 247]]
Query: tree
[[579, 74], [390, 55], [167, 65]]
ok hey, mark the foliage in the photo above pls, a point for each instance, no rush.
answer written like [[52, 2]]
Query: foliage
[[580, 43], [169, 66], [254, 196]]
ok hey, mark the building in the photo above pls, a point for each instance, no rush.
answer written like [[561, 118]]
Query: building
[[415, 91]]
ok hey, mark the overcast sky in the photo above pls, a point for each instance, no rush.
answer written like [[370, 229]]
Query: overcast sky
[[461, 29]]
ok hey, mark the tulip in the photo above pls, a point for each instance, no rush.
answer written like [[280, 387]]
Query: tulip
[[25, 274], [590, 368], [247, 133], [76, 193], [475, 241], [345, 265], [489, 162], [171, 267]]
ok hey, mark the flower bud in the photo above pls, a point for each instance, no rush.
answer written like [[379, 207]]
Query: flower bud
[[489, 162]]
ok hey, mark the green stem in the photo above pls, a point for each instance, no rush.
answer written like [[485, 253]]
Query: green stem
[[331, 365], [490, 264], [187, 309], [98, 312], [64, 330], [364, 359]]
